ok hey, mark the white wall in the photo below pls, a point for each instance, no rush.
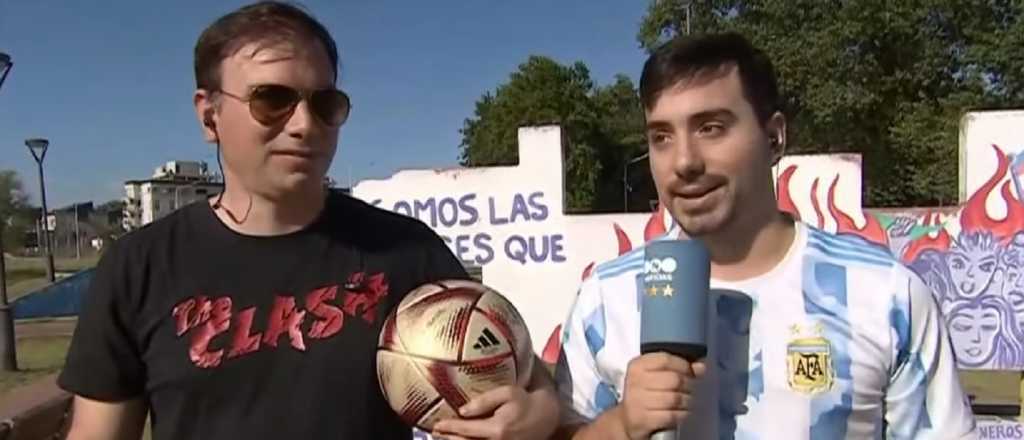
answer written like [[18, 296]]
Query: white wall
[[979, 132], [543, 290], [507, 219], [511, 220]]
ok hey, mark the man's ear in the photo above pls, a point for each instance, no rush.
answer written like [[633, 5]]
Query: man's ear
[[776, 129], [206, 112]]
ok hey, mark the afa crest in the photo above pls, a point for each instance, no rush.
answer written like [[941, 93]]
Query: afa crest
[[809, 361]]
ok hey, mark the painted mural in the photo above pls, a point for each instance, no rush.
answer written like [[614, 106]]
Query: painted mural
[[510, 220], [971, 257]]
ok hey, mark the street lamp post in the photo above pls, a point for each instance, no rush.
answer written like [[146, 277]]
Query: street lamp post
[[625, 180], [5, 67], [78, 239], [687, 5], [8, 356], [38, 149]]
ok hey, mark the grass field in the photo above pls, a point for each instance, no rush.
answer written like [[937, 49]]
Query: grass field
[[36, 265], [37, 357], [25, 275], [992, 387]]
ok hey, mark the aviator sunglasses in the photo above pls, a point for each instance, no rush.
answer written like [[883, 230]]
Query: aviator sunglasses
[[271, 104]]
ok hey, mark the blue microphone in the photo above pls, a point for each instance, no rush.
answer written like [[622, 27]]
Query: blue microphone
[[673, 311]]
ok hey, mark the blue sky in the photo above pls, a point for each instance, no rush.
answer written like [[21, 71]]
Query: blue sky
[[110, 83]]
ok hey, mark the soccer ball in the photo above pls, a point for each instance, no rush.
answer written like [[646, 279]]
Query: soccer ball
[[446, 343]]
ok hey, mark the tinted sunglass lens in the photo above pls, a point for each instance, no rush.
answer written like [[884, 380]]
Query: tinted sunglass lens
[[270, 103], [331, 106]]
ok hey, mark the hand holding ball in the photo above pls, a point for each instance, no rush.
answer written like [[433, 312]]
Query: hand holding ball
[[446, 343]]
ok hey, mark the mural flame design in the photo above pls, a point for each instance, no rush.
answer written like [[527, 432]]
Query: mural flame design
[[973, 262]]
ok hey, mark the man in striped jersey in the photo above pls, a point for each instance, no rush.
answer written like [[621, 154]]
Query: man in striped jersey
[[811, 335]]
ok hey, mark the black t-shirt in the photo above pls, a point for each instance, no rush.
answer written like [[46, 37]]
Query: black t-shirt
[[242, 337]]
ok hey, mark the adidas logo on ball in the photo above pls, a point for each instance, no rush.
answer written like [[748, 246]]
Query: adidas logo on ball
[[486, 340]]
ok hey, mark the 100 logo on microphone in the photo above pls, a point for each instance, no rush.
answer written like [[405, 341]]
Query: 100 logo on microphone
[[658, 274]]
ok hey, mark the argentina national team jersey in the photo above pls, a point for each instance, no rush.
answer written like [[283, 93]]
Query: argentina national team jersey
[[838, 341]]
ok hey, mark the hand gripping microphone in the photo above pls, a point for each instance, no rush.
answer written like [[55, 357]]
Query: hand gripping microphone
[[676, 278]]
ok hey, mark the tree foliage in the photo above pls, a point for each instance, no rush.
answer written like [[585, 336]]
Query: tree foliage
[[886, 79], [603, 127], [13, 206]]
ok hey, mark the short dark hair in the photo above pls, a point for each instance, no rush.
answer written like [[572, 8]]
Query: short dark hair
[[686, 57], [262, 21]]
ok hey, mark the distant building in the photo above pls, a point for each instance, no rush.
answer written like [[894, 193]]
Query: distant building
[[173, 185], [76, 229], [112, 214], [71, 227]]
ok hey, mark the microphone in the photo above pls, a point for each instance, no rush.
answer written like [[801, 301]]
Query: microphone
[[676, 279]]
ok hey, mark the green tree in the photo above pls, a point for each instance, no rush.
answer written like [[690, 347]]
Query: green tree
[[621, 122], [886, 79], [13, 204], [602, 127]]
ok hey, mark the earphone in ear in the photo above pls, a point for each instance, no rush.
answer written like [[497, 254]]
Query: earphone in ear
[[211, 125]]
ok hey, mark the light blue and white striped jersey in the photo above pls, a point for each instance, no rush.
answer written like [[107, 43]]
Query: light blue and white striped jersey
[[838, 341]]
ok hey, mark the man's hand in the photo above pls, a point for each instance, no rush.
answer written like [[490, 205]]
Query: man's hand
[[657, 393], [505, 413]]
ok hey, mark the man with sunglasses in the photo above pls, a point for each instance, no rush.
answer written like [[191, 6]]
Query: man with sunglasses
[[256, 314]]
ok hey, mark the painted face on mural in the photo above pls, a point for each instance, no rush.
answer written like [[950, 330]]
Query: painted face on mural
[[973, 263], [1013, 265], [971, 273], [973, 329], [1016, 300], [1012, 276], [710, 155]]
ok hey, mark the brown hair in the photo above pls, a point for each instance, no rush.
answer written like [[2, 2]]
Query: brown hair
[[270, 21], [688, 56]]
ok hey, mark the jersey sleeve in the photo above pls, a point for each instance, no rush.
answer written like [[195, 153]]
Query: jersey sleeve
[[582, 391], [925, 399]]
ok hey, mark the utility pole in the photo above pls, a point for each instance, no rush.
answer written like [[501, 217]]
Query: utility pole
[[78, 239]]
